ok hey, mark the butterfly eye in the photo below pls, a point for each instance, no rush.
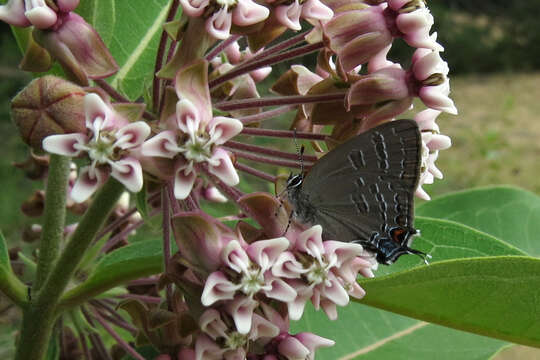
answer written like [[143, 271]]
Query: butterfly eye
[[398, 235], [294, 181]]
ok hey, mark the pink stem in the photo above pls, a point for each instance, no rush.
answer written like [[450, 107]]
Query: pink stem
[[279, 100], [283, 134], [166, 238], [255, 172], [266, 160], [252, 119], [144, 281], [159, 55], [175, 206], [117, 337], [267, 61], [268, 151], [221, 46], [144, 298]]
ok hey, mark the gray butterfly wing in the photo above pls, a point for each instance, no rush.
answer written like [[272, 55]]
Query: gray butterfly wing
[[366, 185]]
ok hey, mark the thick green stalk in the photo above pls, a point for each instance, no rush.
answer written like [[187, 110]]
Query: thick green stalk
[[55, 215], [39, 315]]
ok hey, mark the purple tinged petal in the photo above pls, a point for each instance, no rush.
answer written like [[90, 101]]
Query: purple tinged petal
[[235, 257], [188, 117], [313, 341], [316, 10], [280, 290], [217, 287], [220, 165], [418, 20], [223, 128], [64, 144], [248, 12], [219, 24], [261, 327], [87, 183], [266, 252], [329, 309], [13, 13], [94, 108], [194, 8], [211, 193], [183, 182], [129, 172], [303, 293], [310, 241], [192, 84], [334, 291], [344, 252], [67, 5], [286, 266], [161, 145], [206, 349], [429, 64], [426, 119], [293, 349], [41, 16], [135, 134], [275, 317], [211, 323], [241, 309], [397, 4], [436, 97], [289, 15]]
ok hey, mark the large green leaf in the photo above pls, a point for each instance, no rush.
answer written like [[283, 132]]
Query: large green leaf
[[493, 296], [362, 332], [445, 240], [142, 258], [131, 30], [506, 212]]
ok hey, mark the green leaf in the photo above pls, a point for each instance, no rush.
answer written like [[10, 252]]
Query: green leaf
[[143, 258], [492, 296], [362, 332], [10, 285], [131, 31], [506, 212], [446, 240]]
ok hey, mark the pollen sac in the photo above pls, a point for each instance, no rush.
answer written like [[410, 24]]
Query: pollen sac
[[48, 106]]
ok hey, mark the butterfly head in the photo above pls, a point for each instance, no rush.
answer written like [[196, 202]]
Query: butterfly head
[[396, 243], [294, 181]]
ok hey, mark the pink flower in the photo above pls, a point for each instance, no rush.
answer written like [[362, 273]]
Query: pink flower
[[246, 273], [108, 142], [327, 273], [221, 14], [192, 142], [289, 15]]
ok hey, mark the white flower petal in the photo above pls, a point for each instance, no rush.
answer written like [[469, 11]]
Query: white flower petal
[[241, 309], [217, 287], [235, 257], [316, 10], [133, 134], [194, 8], [219, 24], [161, 145], [266, 252], [129, 172], [87, 183], [188, 117], [224, 169], [224, 128], [96, 108], [248, 13], [280, 290], [64, 144], [183, 182], [289, 15], [41, 16]]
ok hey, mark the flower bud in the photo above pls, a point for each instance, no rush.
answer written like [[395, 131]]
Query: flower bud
[[48, 106], [34, 205], [31, 233], [34, 167]]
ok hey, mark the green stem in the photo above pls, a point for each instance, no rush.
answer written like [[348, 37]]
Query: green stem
[[39, 316], [55, 215]]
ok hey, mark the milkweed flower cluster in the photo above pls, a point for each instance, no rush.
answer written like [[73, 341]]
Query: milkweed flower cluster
[[232, 289]]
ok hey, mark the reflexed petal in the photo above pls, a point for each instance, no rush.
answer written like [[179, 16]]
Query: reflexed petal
[[241, 309], [64, 144], [335, 292], [129, 172], [330, 309], [135, 134], [289, 15], [217, 287], [286, 266], [206, 349], [87, 183], [224, 128], [428, 65], [248, 12], [235, 257], [261, 327], [316, 10], [426, 119], [280, 290], [219, 24], [194, 8], [436, 98], [344, 252], [212, 324], [188, 118], [310, 241], [95, 107], [41, 16], [13, 13], [313, 341], [417, 20], [266, 252], [282, 322], [422, 39], [303, 293], [161, 145], [224, 169], [292, 348], [183, 182]]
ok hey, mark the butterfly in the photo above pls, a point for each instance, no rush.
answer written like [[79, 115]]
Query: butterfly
[[362, 191]]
